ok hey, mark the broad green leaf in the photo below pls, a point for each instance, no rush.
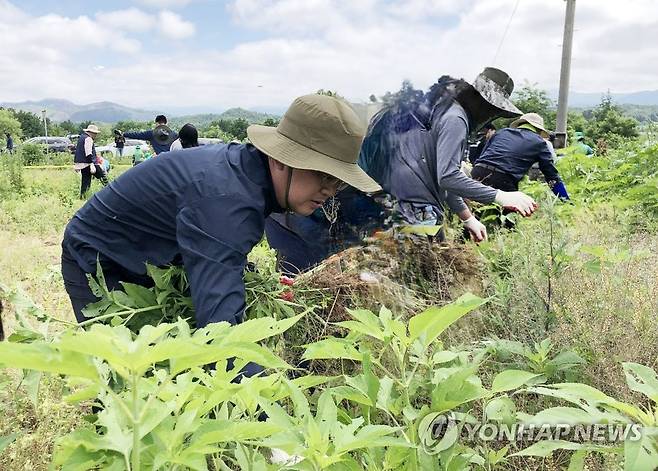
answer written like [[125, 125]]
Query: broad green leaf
[[7, 440], [420, 229], [361, 328], [45, 357], [577, 461], [511, 379], [367, 437], [255, 330], [428, 325], [458, 388], [565, 415], [31, 382], [351, 394], [443, 356], [371, 381], [640, 455], [89, 392], [24, 336], [545, 448], [221, 431], [211, 353], [371, 323], [501, 409], [642, 379], [143, 297], [331, 348]]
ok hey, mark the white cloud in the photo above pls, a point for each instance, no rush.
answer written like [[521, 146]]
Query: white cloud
[[355, 47], [166, 3], [173, 26], [131, 19]]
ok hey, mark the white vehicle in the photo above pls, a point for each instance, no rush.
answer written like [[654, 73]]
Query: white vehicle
[[204, 141], [128, 148]]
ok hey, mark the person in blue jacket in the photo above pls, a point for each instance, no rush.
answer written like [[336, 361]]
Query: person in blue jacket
[[511, 152], [205, 207], [161, 137]]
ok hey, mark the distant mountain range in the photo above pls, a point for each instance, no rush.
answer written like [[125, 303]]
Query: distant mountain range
[[584, 100], [108, 112], [103, 111]]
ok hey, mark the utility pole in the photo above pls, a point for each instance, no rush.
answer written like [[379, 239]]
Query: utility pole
[[563, 98], [45, 123]]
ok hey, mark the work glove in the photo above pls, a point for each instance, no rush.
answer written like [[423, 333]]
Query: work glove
[[516, 201], [560, 190], [476, 228], [92, 168]]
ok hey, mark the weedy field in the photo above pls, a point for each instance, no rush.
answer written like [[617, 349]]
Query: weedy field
[[552, 323]]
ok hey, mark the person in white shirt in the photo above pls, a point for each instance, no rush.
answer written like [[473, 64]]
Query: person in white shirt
[[188, 136]]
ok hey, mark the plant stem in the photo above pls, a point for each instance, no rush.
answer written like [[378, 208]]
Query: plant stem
[[136, 452], [118, 313]]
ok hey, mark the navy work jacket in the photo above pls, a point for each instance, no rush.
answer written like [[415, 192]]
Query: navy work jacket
[[203, 207], [158, 147], [514, 150]]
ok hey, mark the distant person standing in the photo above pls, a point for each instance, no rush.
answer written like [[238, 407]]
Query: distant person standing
[[188, 136], [119, 141], [10, 143], [85, 160], [160, 137]]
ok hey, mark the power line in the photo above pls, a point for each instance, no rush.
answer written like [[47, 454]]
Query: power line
[[500, 44]]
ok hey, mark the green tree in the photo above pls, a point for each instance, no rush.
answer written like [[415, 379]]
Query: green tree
[[576, 121], [69, 127], [239, 128], [609, 123], [272, 122], [130, 125], [9, 124], [531, 99], [31, 124], [215, 131], [407, 93]]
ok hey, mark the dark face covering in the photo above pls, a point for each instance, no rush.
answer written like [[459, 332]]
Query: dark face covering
[[479, 110]]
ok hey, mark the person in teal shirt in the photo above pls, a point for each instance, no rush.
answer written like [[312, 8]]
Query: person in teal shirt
[[581, 147]]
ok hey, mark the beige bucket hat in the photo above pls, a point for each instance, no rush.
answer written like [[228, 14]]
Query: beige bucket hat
[[92, 128], [320, 133], [531, 118]]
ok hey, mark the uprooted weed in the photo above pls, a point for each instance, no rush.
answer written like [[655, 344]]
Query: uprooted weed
[[404, 274]]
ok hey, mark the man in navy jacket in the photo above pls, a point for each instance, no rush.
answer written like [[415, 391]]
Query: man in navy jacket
[[160, 138], [205, 207], [511, 152]]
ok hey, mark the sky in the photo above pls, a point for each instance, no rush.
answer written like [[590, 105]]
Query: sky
[[209, 55]]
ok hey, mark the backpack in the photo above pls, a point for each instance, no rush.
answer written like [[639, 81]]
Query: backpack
[[398, 151]]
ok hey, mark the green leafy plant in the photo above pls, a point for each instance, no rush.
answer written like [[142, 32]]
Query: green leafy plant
[[591, 406]]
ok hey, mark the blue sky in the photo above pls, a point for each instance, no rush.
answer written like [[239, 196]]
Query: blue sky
[[211, 54]]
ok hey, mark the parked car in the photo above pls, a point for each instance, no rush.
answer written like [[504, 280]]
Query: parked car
[[128, 148], [53, 144], [204, 141]]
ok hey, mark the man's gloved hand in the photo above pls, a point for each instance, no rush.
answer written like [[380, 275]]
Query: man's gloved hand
[[560, 190], [516, 201], [476, 228], [92, 168]]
